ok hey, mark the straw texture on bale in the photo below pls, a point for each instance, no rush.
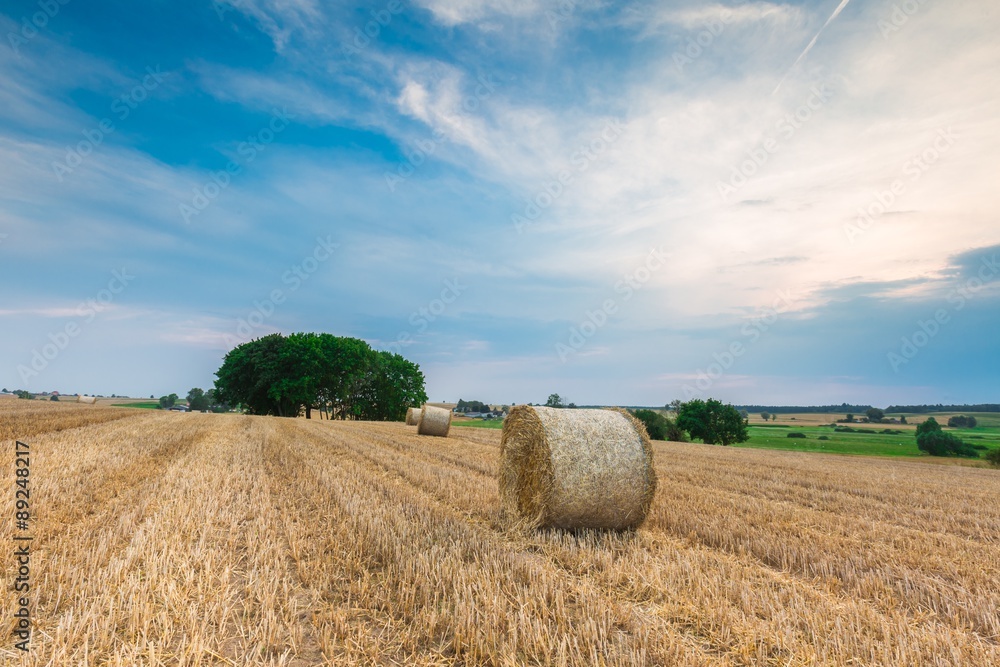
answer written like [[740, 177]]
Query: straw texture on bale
[[412, 416], [565, 468], [434, 421], [86, 399]]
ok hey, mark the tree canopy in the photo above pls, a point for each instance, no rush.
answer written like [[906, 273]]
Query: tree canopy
[[197, 400], [875, 414], [713, 422], [471, 406], [934, 441], [343, 377], [961, 421], [658, 426], [554, 401]]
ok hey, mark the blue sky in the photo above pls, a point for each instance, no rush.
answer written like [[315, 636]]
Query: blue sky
[[623, 203]]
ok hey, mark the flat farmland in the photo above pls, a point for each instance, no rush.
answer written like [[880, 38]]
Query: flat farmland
[[197, 539]]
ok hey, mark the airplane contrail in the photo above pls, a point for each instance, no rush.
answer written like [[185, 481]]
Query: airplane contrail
[[835, 14]]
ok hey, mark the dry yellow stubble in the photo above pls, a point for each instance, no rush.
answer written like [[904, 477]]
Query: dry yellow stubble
[[165, 539]]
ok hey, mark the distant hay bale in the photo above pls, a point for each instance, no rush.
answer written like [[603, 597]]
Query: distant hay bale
[[412, 416], [86, 399], [434, 421], [565, 468]]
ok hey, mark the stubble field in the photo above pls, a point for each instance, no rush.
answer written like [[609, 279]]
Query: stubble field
[[166, 538]]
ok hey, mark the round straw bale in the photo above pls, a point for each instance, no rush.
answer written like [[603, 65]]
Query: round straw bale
[[86, 399], [412, 416], [565, 468], [434, 421]]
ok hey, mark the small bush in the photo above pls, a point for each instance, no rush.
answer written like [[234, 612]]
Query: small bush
[[823, 437], [980, 448], [844, 429], [796, 435]]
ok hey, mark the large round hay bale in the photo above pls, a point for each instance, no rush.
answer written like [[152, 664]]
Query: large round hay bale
[[412, 416], [565, 468], [86, 399], [434, 421]]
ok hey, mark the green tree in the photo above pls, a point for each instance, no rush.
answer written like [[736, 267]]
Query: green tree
[[471, 406], [713, 422], [391, 385], [658, 426], [197, 400], [961, 421], [54, 397], [765, 415], [167, 402], [343, 377], [214, 404], [929, 425], [934, 441], [850, 418], [248, 373], [875, 415], [902, 419], [554, 401]]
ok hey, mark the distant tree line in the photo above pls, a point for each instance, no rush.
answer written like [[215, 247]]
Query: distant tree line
[[344, 378], [198, 400], [471, 406], [982, 407], [808, 409]]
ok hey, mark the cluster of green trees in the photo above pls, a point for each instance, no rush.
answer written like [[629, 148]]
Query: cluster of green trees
[[342, 377], [198, 400], [557, 401], [471, 406], [660, 427], [934, 441], [961, 421], [713, 422]]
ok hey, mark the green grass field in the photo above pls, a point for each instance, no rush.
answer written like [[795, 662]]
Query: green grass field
[[866, 440], [148, 405], [862, 441], [479, 423]]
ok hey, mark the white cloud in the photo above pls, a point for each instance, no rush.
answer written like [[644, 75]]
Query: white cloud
[[456, 12], [662, 18], [279, 19]]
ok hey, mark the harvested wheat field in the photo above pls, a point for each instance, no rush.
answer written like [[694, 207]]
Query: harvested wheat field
[[187, 539]]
